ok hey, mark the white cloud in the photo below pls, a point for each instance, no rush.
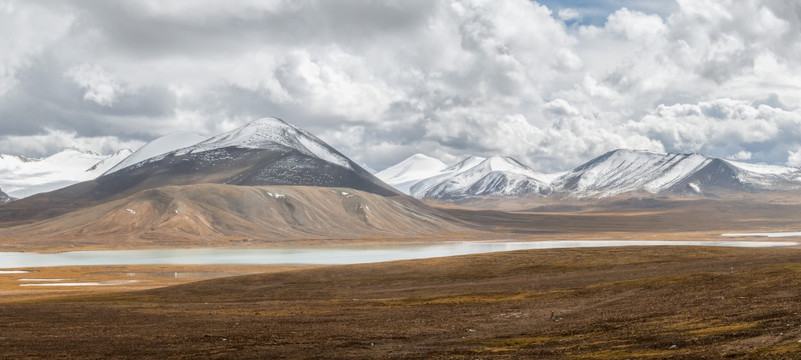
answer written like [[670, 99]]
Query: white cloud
[[100, 87], [724, 127], [794, 158], [383, 80], [741, 155], [52, 141], [27, 30], [569, 14]]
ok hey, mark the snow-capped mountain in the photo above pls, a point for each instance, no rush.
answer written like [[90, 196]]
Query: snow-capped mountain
[[270, 134], [264, 152], [494, 176], [630, 171], [425, 177], [411, 171], [158, 147], [21, 177], [418, 190], [614, 173]]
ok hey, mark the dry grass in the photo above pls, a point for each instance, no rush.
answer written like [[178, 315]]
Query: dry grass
[[650, 302]]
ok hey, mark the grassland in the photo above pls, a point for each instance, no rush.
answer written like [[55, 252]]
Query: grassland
[[637, 302]]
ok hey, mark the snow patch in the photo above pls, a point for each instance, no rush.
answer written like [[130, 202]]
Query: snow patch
[[276, 196]]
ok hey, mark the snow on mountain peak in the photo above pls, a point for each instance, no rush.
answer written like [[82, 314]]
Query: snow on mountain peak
[[621, 171], [110, 162], [268, 133], [417, 166], [507, 164], [422, 176], [465, 164], [158, 147], [497, 175], [410, 171]]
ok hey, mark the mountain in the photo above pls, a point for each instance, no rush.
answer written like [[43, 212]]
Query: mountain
[[615, 173], [424, 177], [494, 176], [265, 182], [409, 172], [160, 146], [632, 171], [22, 177], [264, 152]]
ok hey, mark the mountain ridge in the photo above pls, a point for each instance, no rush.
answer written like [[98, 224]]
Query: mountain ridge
[[617, 172]]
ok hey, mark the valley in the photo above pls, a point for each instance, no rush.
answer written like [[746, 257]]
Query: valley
[[446, 179]]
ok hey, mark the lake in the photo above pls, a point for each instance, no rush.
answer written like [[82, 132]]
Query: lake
[[348, 254]]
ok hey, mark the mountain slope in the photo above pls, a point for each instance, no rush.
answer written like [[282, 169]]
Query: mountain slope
[[409, 172], [264, 152], [631, 171], [228, 215], [158, 147], [22, 177]]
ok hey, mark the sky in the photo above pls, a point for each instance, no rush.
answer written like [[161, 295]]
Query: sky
[[551, 83]]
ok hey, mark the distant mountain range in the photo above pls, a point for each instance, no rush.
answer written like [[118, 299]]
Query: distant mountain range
[[614, 173], [271, 152]]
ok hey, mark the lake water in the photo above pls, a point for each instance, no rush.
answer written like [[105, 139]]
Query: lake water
[[350, 254], [765, 234]]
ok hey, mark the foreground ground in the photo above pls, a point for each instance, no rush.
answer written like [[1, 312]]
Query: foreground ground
[[649, 302]]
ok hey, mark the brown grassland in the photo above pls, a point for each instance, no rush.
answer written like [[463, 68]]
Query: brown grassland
[[636, 302]]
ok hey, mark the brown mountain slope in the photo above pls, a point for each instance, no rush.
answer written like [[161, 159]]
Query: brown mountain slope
[[246, 167], [229, 215]]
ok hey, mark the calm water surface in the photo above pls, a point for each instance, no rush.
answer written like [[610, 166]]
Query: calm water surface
[[350, 254]]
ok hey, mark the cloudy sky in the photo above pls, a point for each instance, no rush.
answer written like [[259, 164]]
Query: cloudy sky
[[552, 83]]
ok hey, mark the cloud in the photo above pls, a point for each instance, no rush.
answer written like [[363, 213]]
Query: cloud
[[741, 155], [52, 141], [569, 14], [724, 126], [552, 85], [100, 87], [28, 30], [794, 158]]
